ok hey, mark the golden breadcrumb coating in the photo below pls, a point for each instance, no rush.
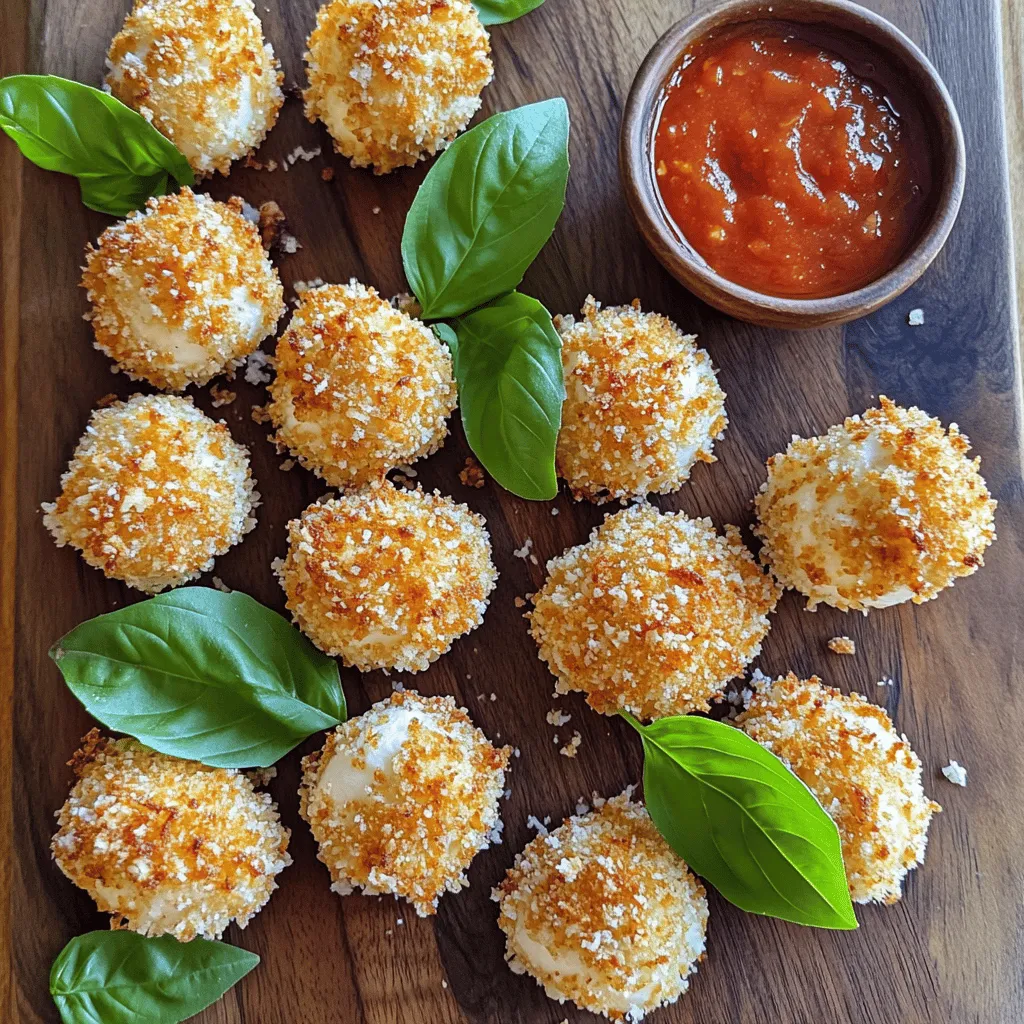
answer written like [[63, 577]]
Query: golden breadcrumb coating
[[387, 578], [653, 615], [201, 73], [360, 387], [642, 404], [883, 509], [394, 81], [154, 492], [602, 912], [847, 752], [402, 798], [165, 845], [181, 292]]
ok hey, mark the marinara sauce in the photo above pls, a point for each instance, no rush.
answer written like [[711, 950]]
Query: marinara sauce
[[787, 171]]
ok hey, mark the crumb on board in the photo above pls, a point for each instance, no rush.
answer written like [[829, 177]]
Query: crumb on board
[[256, 371], [327, 174], [473, 474], [220, 585], [955, 773], [287, 466], [842, 645], [915, 317], [259, 414], [221, 396], [556, 717], [300, 153], [569, 750], [519, 602], [526, 551], [886, 681], [271, 223]]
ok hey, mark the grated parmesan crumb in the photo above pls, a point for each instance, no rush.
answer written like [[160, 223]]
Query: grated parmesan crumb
[[955, 773]]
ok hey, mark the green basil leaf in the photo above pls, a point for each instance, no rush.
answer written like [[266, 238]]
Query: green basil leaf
[[201, 674], [508, 366], [498, 12], [486, 208], [741, 819], [119, 158], [122, 977]]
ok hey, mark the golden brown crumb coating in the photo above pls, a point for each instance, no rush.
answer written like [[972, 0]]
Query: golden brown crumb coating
[[401, 799], [181, 292], [154, 492], [387, 578], [863, 772], [165, 845], [602, 912], [360, 387], [654, 614], [883, 509], [395, 80], [642, 403], [201, 73]]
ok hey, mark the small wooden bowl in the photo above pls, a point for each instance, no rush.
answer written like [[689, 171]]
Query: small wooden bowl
[[840, 18]]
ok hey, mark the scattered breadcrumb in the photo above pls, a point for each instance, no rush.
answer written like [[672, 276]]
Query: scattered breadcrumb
[[221, 396], [569, 750], [220, 585], [519, 602], [271, 223], [300, 153], [256, 372], [473, 474], [915, 317], [955, 773], [842, 645], [259, 414], [287, 466], [556, 717], [526, 552], [327, 174]]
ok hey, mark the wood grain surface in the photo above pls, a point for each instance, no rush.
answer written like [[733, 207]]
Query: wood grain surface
[[951, 951]]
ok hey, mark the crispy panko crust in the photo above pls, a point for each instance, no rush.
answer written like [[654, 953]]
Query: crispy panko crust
[[387, 578], [426, 810], [360, 387], [165, 845], [602, 912], [395, 80], [653, 615], [154, 492], [847, 752], [642, 403], [182, 291], [883, 509], [202, 74]]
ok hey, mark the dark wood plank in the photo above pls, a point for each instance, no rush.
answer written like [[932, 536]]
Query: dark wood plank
[[951, 951]]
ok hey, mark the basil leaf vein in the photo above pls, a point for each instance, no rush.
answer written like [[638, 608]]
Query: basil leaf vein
[[499, 12], [486, 209], [741, 819], [121, 977], [508, 365], [119, 158], [201, 674]]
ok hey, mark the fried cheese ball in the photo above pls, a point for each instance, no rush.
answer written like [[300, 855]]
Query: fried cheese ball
[[181, 292], [387, 578], [154, 492], [642, 404], [360, 387], [602, 912], [402, 798], [847, 752], [653, 615], [394, 81], [884, 509], [201, 74], [168, 846]]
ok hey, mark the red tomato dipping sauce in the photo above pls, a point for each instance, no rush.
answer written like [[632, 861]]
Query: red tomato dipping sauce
[[787, 171]]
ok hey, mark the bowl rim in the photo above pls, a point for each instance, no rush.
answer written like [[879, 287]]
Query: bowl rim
[[666, 239]]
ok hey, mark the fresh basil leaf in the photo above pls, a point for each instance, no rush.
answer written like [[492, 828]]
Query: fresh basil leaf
[[119, 158], [120, 977], [741, 819], [201, 674], [508, 366], [486, 208], [498, 12]]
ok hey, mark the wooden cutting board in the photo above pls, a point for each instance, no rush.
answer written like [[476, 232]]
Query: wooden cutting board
[[951, 951]]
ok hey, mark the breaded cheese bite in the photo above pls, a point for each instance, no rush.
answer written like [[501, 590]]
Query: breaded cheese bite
[[884, 509], [168, 846], [394, 81], [402, 798], [182, 291], [387, 578], [154, 492], [860, 769], [201, 74], [642, 403], [653, 615], [360, 386], [602, 912]]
